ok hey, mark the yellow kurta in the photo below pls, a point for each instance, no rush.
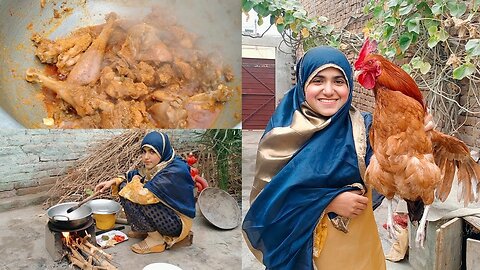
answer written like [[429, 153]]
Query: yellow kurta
[[359, 249], [135, 192]]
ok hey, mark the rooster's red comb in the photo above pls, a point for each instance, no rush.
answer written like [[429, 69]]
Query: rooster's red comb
[[367, 48]]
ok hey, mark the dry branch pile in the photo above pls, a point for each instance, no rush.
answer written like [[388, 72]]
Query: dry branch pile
[[112, 157], [107, 159]]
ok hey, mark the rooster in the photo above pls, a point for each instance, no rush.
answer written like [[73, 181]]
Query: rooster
[[408, 161]]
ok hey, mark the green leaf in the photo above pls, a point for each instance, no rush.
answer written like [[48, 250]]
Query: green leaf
[[473, 47], [463, 71], [391, 21], [300, 14], [247, 5], [327, 30], [407, 68], [322, 19], [387, 32], [404, 41], [424, 9], [260, 20], [432, 30], [288, 18], [310, 24], [425, 67], [378, 12], [416, 62], [456, 9], [413, 25], [429, 23], [432, 41], [437, 9], [280, 28], [390, 52], [442, 34], [392, 3], [405, 10], [262, 10]]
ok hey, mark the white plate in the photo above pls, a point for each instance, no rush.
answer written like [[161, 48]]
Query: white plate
[[110, 235], [161, 266]]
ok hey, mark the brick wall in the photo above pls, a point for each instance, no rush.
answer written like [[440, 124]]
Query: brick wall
[[31, 160], [349, 14]]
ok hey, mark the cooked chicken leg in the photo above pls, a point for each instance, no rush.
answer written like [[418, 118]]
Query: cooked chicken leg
[[79, 97], [87, 69]]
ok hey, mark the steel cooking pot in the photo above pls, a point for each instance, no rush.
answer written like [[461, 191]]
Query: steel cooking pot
[[215, 22], [59, 217]]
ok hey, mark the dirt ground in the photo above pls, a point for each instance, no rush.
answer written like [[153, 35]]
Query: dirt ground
[[22, 245], [249, 143]]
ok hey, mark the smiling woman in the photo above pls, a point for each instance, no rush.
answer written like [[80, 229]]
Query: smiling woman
[[327, 91]]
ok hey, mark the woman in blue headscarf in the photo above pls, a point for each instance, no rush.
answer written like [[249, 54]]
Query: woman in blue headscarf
[[310, 208], [158, 199]]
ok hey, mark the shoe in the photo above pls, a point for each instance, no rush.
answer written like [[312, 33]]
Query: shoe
[[143, 248]]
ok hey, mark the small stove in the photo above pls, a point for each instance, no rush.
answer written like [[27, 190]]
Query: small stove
[[54, 238]]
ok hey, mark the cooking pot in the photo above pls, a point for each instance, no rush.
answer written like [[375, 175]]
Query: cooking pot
[[59, 217], [104, 212], [215, 22]]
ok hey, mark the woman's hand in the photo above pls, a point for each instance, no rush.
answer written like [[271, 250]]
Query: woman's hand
[[348, 204], [103, 186]]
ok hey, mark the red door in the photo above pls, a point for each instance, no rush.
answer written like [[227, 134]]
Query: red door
[[258, 92]]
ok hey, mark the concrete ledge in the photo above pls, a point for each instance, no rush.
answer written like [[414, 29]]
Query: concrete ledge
[[22, 201]]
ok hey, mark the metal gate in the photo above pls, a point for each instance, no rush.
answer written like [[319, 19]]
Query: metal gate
[[258, 92]]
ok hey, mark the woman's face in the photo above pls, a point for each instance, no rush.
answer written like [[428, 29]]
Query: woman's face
[[327, 91], [150, 158]]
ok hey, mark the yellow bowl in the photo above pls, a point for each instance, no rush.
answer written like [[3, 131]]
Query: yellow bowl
[[104, 221]]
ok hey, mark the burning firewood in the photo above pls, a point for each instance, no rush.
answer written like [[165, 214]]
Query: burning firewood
[[86, 256]]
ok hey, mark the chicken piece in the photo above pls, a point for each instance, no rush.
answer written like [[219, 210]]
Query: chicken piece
[[67, 60], [168, 114], [182, 37], [165, 75], [120, 87], [209, 99], [145, 45], [125, 114], [184, 70], [145, 73], [49, 51], [81, 98], [166, 95], [87, 69], [200, 117]]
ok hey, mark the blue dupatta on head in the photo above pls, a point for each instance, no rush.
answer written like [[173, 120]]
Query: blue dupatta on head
[[173, 184], [282, 219]]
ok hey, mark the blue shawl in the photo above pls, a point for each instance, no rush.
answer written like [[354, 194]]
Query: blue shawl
[[281, 221], [173, 184]]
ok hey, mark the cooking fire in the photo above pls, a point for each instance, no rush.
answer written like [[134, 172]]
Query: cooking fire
[[78, 246]]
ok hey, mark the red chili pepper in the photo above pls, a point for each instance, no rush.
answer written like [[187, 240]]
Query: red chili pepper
[[191, 159], [194, 172]]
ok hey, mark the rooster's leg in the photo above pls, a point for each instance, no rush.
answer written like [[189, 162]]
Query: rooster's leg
[[420, 238], [392, 233]]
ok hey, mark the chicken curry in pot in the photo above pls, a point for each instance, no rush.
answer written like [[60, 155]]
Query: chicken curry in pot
[[130, 74]]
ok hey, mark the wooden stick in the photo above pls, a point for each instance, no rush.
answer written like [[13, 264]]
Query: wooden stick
[[106, 255], [102, 261]]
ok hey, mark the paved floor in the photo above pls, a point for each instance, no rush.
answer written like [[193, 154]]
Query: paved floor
[[22, 246], [249, 143]]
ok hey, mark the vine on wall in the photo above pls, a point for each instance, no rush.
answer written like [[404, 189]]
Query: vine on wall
[[437, 41]]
